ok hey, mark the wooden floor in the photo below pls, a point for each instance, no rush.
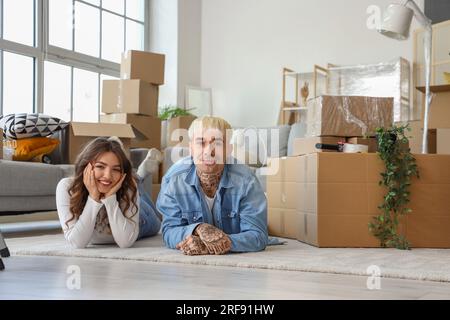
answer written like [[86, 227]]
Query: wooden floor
[[47, 277]]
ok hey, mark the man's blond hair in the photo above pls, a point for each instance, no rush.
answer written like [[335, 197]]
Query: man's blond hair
[[208, 122]]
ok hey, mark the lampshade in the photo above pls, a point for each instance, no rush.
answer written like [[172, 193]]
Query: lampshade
[[396, 22]]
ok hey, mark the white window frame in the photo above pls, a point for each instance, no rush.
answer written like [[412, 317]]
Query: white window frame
[[45, 52]]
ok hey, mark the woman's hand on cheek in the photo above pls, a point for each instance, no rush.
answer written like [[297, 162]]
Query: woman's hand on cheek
[[116, 187], [89, 182]]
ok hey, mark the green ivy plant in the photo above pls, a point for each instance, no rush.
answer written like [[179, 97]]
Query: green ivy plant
[[400, 167], [168, 112]]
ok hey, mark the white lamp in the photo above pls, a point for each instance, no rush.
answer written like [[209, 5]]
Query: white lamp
[[396, 23]]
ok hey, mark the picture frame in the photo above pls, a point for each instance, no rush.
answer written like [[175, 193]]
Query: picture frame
[[199, 101]]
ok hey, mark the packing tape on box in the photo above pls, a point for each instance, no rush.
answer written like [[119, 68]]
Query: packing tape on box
[[120, 97], [282, 223], [355, 148], [282, 167], [283, 219], [305, 225]]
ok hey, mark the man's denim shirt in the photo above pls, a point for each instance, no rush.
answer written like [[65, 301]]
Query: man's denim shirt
[[240, 206]]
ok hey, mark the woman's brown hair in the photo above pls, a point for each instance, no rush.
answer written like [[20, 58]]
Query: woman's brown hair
[[126, 196]]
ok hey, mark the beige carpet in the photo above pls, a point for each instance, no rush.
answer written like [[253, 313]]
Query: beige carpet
[[417, 264]]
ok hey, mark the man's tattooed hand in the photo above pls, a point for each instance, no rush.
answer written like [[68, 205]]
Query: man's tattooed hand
[[216, 241], [193, 246]]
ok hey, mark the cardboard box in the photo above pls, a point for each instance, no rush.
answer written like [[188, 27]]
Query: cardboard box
[[443, 141], [1, 144], [143, 65], [146, 129], [286, 223], [439, 116], [130, 96], [308, 145], [415, 137], [335, 196], [370, 142], [177, 131], [432, 143], [439, 141], [81, 133], [348, 116]]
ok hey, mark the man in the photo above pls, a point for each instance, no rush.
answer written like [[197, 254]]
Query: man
[[210, 205]]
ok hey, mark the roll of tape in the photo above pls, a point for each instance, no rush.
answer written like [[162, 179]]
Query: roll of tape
[[355, 148]]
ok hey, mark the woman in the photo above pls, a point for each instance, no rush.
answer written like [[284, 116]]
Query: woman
[[103, 203]]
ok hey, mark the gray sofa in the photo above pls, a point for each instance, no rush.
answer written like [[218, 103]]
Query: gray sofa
[[27, 187]]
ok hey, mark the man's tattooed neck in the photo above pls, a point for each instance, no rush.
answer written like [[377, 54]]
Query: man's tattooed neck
[[209, 182]]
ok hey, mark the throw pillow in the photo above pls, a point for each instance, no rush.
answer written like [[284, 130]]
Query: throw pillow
[[27, 125], [248, 147], [29, 148]]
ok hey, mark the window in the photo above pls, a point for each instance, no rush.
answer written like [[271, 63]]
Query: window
[[18, 21], [58, 90], [135, 9], [111, 47], [60, 23], [100, 29], [135, 35], [18, 74], [85, 96], [117, 6], [87, 29], [54, 54]]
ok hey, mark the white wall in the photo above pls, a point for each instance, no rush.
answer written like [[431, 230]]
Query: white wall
[[164, 39], [189, 45], [175, 30], [246, 43]]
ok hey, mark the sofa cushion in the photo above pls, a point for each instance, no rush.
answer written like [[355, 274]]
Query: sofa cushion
[[23, 204], [264, 145], [298, 130], [28, 178]]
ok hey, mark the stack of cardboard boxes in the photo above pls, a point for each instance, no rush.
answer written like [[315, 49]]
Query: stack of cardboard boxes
[[327, 199], [130, 106], [133, 99]]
